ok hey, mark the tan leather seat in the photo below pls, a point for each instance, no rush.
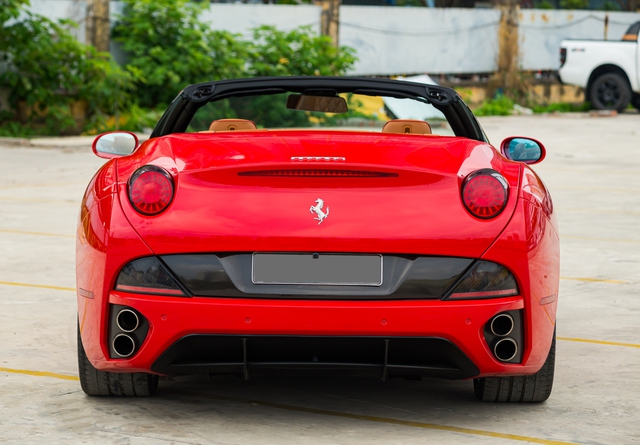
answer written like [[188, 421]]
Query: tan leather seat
[[409, 126], [232, 125]]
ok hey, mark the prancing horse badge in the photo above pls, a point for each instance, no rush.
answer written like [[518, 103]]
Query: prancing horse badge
[[317, 209]]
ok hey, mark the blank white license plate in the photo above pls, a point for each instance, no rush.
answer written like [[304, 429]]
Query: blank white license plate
[[320, 269]]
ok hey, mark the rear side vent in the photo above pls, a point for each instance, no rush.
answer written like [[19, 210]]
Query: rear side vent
[[320, 173]]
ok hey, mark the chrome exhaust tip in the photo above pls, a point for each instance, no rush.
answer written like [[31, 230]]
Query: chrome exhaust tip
[[502, 325], [123, 345], [505, 349], [127, 320]]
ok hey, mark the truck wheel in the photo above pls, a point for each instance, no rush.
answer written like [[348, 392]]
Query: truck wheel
[[101, 383], [524, 388], [610, 91], [635, 101]]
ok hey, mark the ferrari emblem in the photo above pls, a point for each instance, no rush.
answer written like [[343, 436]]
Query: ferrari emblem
[[317, 209]]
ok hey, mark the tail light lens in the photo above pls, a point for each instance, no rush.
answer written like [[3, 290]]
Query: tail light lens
[[563, 56], [148, 276], [485, 193], [485, 280], [150, 190]]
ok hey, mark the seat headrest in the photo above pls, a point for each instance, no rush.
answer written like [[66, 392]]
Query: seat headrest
[[232, 125], [407, 126]]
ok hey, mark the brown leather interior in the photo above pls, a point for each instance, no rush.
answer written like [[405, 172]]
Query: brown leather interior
[[232, 125], [409, 126]]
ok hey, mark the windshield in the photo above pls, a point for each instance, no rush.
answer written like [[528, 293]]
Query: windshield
[[365, 113]]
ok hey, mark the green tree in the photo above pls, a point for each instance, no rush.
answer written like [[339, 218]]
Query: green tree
[[296, 53], [169, 48], [10, 9], [49, 71]]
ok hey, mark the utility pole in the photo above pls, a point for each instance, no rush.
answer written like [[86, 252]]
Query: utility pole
[[330, 20], [97, 23], [508, 45]]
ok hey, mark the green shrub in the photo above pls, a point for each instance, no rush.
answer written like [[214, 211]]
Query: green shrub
[[500, 106], [51, 75], [169, 47], [134, 118], [574, 4], [49, 72]]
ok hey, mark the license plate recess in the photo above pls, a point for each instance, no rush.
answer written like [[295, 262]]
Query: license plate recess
[[326, 269]]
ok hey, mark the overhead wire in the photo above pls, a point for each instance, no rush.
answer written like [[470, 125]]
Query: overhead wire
[[418, 33]]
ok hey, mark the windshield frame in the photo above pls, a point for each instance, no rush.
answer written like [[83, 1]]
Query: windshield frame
[[183, 108]]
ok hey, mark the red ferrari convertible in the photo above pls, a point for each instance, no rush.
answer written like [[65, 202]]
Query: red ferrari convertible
[[318, 225]]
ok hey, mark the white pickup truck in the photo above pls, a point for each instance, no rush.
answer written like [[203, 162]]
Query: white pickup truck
[[609, 71]]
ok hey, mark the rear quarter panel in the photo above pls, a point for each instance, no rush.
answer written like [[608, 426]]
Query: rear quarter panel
[[531, 246]]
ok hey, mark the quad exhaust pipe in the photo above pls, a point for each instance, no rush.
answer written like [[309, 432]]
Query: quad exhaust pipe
[[123, 345], [502, 325], [504, 336], [127, 320], [127, 331], [505, 349]]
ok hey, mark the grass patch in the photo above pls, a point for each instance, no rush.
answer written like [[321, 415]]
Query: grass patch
[[562, 107]]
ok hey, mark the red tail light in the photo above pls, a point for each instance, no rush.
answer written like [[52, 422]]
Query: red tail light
[[150, 190], [485, 193]]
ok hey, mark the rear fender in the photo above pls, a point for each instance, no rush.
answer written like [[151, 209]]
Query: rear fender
[[530, 246], [102, 227]]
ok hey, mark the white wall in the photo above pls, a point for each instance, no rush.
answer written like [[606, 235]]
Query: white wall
[[63, 9], [239, 18], [421, 40], [541, 32], [397, 40]]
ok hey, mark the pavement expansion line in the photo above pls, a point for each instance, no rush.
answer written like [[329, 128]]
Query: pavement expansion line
[[606, 240], [46, 201], [595, 280], [40, 286], [40, 373], [24, 232], [31, 185], [600, 342], [387, 420]]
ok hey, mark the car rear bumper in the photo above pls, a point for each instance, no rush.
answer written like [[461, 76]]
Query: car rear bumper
[[442, 335]]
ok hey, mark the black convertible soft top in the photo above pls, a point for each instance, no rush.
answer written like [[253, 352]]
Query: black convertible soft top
[[180, 112]]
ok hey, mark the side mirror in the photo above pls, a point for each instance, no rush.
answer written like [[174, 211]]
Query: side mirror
[[115, 144], [523, 149]]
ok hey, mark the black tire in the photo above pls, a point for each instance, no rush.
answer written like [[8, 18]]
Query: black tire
[[522, 389], [101, 383], [610, 91], [635, 101]]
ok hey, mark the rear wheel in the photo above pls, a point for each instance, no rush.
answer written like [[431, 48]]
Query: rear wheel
[[525, 388], [101, 383], [610, 91]]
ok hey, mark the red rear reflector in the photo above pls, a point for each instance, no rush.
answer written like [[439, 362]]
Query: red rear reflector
[[320, 173], [485, 193], [150, 190], [148, 290], [485, 294]]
